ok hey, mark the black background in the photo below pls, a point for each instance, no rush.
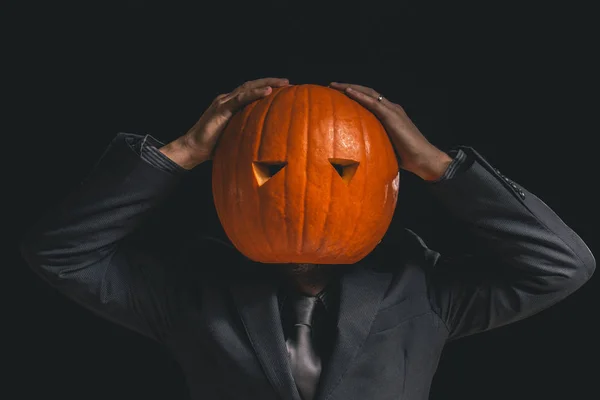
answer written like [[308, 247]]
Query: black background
[[510, 79]]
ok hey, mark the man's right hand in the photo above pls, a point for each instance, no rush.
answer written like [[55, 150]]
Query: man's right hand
[[198, 144]]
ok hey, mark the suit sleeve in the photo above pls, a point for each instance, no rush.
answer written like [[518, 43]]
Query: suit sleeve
[[529, 259], [81, 245]]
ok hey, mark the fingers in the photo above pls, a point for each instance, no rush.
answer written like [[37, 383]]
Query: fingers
[[219, 97], [252, 85], [362, 89], [275, 82], [245, 97], [233, 102], [371, 103]]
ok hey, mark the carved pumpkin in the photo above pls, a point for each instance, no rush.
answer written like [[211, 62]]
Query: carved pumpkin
[[305, 175]]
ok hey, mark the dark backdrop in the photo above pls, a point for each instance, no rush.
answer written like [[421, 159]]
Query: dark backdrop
[[511, 80]]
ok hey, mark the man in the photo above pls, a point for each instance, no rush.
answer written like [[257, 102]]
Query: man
[[373, 330]]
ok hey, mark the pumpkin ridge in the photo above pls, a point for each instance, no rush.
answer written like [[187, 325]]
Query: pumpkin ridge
[[361, 209], [261, 131], [287, 143], [219, 170], [326, 222], [306, 178], [285, 193], [236, 160]]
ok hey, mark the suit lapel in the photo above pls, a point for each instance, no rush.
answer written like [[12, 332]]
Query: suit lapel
[[361, 292], [258, 308]]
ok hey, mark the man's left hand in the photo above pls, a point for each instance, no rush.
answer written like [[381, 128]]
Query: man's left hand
[[415, 152]]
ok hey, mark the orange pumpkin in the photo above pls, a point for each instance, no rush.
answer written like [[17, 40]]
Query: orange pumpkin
[[305, 175]]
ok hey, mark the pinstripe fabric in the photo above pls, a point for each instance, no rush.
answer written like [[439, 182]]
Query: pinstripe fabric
[[148, 147]]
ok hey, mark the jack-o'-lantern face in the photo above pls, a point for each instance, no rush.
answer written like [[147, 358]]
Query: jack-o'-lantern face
[[305, 175]]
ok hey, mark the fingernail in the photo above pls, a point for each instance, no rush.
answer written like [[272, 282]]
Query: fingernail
[[349, 89]]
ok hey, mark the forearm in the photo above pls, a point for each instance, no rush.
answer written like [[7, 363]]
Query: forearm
[[433, 167], [181, 153]]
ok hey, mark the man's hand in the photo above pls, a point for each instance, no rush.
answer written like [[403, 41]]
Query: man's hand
[[198, 144], [415, 152]]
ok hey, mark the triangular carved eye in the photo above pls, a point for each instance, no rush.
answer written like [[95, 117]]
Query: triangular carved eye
[[345, 168], [265, 170]]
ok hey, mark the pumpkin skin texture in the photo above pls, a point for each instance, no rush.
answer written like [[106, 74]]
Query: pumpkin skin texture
[[305, 175]]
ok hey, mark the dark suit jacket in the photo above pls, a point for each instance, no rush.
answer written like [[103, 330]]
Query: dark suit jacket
[[221, 321]]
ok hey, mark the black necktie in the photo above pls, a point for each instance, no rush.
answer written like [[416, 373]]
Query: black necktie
[[305, 362]]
